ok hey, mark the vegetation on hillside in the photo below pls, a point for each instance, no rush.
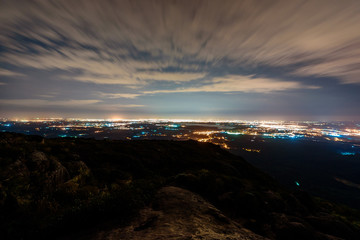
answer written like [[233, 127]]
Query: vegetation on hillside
[[53, 186]]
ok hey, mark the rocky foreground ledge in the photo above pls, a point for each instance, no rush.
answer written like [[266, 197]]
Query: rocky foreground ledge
[[177, 213], [88, 189]]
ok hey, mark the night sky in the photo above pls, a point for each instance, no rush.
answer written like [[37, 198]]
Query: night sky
[[258, 59]]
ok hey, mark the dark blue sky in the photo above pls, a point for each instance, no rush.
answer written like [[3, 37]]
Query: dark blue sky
[[291, 60]]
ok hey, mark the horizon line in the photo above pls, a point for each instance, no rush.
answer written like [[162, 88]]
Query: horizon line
[[159, 120]]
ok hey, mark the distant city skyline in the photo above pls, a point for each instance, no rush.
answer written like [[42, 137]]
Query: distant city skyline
[[204, 60]]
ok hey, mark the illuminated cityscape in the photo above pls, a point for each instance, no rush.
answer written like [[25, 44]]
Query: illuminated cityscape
[[180, 119], [217, 132]]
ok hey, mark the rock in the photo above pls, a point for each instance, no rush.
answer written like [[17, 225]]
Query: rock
[[274, 202], [58, 176], [77, 167], [295, 230], [17, 170], [180, 214], [38, 162], [332, 226]]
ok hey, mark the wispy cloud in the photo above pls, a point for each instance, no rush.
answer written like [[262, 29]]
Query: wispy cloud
[[169, 76], [5, 72], [89, 103], [120, 95], [116, 51], [119, 38], [41, 102], [236, 83]]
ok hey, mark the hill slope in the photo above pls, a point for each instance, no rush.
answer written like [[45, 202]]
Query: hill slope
[[67, 186]]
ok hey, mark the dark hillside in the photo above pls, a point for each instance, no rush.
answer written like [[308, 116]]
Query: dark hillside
[[60, 187]]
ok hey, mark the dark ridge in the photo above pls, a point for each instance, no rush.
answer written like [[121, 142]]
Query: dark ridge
[[64, 187]]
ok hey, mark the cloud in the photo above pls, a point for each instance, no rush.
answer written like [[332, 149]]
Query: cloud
[[41, 102], [117, 51], [348, 72], [107, 79], [5, 72], [118, 38], [137, 79], [88, 103], [236, 83], [166, 76], [46, 96], [120, 95], [126, 105]]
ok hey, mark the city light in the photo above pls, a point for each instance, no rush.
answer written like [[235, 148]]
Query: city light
[[216, 132]]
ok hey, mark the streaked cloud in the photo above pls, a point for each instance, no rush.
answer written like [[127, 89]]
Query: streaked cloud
[[120, 95], [169, 76], [5, 72], [41, 102], [236, 83], [125, 49], [89, 103], [117, 38]]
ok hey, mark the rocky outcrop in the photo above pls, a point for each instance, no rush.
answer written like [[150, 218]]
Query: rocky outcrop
[[47, 170], [177, 213], [58, 175]]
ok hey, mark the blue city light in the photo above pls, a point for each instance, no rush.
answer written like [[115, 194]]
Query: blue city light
[[334, 135], [347, 153], [234, 133]]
